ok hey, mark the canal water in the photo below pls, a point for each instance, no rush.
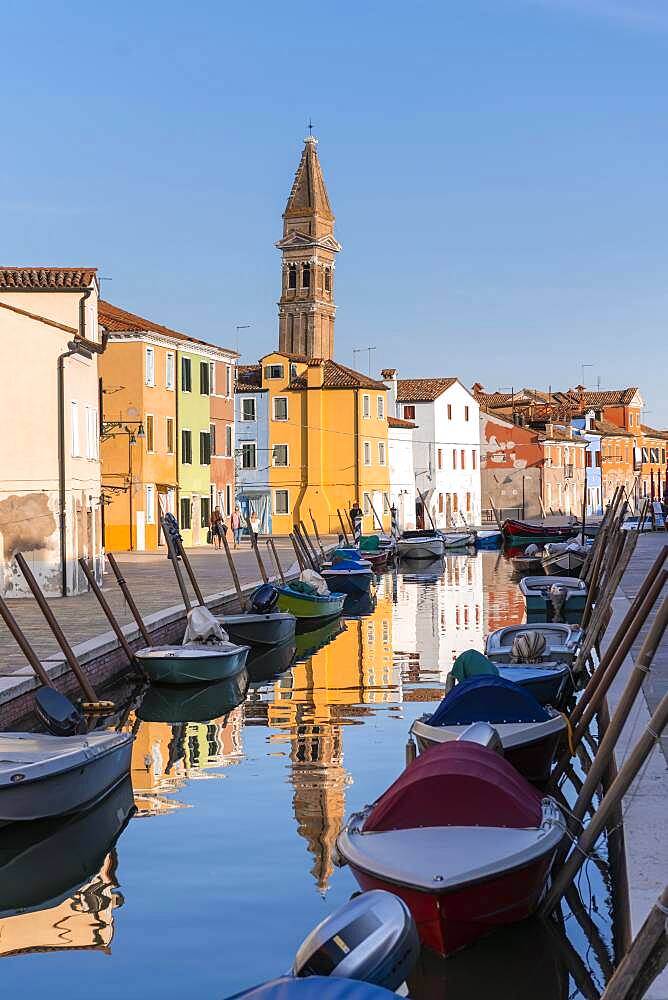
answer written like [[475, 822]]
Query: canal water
[[205, 875]]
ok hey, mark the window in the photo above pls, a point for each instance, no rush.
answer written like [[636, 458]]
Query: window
[[74, 415], [306, 275], [280, 407], [186, 448], [169, 370], [468, 501], [440, 503], [440, 458], [455, 502], [204, 378], [366, 406], [588, 459], [150, 432], [449, 412], [454, 458], [205, 512], [292, 276], [645, 454], [280, 455], [212, 435], [474, 459], [663, 456], [409, 413], [466, 413], [228, 499], [381, 453], [186, 375], [654, 455], [367, 453], [247, 408], [463, 457], [228, 380], [150, 503], [248, 455], [204, 448], [328, 279], [92, 434], [273, 371], [228, 440], [150, 366], [380, 403], [281, 502], [598, 459], [185, 513], [170, 435], [366, 504]]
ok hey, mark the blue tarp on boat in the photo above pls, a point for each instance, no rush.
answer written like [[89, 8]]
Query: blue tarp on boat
[[314, 988], [350, 564], [348, 554], [487, 699]]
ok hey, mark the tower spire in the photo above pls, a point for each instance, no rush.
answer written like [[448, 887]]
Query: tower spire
[[306, 308]]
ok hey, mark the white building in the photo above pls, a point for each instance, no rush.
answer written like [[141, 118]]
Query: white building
[[402, 470], [446, 446]]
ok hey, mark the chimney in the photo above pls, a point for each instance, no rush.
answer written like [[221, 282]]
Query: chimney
[[315, 374], [389, 377]]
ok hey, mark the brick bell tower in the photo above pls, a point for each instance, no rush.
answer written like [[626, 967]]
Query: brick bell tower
[[306, 308]]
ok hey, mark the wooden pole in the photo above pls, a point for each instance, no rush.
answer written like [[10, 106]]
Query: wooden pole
[[426, 508], [300, 557], [256, 550], [317, 534], [177, 569], [191, 576], [58, 633], [343, 527], [496, 514], [373, 509], [609, 803], [645, 959], [109, 614], [130, 601], [542, 506], [350, 522], [304, 547], [23, 644], [235, 575], [270, 544], [620, 715], [307, 539]]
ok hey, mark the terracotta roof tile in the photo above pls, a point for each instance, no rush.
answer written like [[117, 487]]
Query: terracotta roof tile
[[337, 376], [652, 432], [611, 397], [422, 390], [607, 429], [398, 422], [117, 320], [19, 278]]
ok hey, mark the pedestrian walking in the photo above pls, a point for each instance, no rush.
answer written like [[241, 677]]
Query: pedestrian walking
[[235, 521], [217, 528]]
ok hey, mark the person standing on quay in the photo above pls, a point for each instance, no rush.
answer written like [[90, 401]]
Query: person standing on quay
[[356, 518], [236, 526], [255, 524], [217, 528]]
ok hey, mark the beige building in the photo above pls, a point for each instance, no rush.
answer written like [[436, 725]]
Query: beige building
[[49, 410]]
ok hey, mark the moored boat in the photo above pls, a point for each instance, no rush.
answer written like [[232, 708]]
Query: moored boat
[[457, 539], [200, 663], [420, 545], [462, 838], [348, 576], [564, 559], [43, 775], [193, 702], [523, 532], [488, 538], [530, 733], [549, 683], [548, 595], [261, 624], [310, 607], [561, 641]]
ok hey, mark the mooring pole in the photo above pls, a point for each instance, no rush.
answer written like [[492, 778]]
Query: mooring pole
[[300, 557], [191, 576], [177, 569], [270, 545], [233, 571], [343, 527], [641, 964], [317, 534], [307, 539], [129, 599], [304, 548], [253, 538], [58, 633], [610, 801], [23, 644], [109, 614], [425, 507]]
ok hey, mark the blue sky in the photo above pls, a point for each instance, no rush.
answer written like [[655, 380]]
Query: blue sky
[[497, 169]]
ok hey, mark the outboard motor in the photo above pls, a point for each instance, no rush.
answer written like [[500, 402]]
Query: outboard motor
[[373, 937], [57, 713], [264, 599], [484, 734]]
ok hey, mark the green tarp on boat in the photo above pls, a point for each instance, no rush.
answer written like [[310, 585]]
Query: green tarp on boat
[[369, 543], [471, 663]]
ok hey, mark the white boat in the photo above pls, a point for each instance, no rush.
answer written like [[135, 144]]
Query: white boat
[[420, 545], [561, 641], [458, 539], [42, 775]]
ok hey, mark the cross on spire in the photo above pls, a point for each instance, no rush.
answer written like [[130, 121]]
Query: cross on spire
[[310, 126]]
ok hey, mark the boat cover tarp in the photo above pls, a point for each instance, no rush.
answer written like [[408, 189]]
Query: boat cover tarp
[[343, 554], [314, 988], [202, 627], [301, 587], [457, 784], [487, 699], [370, 543], [350, 564], [421, 533], [315, 580], [471, 663]]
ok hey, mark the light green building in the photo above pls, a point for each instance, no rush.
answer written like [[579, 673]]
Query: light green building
[[195, 386]]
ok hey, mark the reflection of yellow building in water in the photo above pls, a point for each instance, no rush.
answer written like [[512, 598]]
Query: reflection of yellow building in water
[[85, 920], [310, 709]]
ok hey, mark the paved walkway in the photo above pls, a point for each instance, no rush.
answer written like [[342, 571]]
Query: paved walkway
[[645, 807], [153, 585]]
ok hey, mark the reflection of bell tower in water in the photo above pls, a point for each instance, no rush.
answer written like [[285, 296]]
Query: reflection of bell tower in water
[[306, 308]]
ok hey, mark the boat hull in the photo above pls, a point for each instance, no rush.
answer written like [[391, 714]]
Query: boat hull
[[311, 608], [451, 920], [350, 583], [66, 791], [428, 548], [522, 533], [564, 564], [189, 665], [252, 629]]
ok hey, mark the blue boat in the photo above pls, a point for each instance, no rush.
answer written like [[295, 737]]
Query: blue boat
[[549, 683], [348, 576]]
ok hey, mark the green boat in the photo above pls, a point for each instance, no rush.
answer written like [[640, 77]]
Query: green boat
[[199, 663], [310, 607]]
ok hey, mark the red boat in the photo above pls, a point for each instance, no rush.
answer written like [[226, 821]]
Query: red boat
[[462, 838], [378, 559], [521, 532]]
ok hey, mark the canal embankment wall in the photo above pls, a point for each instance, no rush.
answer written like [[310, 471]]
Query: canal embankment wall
[[644, 843]]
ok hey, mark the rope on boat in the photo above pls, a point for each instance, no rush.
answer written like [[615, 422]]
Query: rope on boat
[[569, 730]]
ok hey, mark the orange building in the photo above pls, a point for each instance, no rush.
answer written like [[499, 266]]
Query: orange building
[[653, 471]]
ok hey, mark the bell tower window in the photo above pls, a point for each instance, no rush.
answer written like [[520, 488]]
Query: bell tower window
[[292, 276], [306, 276], [328, 279]]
